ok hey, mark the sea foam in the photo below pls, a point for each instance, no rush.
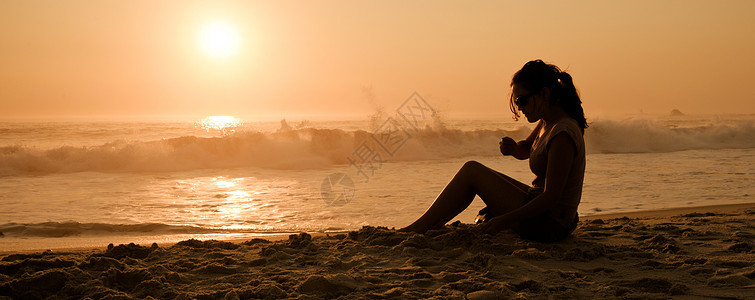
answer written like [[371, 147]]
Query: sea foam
[[312, 148]]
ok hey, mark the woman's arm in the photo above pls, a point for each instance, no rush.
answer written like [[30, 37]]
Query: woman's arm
[[522, 148], [561, 151]]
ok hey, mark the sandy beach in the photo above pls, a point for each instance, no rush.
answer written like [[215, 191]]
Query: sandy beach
[[704, 252]]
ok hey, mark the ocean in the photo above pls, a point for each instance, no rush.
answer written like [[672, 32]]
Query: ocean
[[90, 183]]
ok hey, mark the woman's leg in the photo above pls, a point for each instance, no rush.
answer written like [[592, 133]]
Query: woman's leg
[[500, 193]]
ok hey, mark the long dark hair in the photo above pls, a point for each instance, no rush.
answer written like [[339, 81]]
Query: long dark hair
[[536, 75]]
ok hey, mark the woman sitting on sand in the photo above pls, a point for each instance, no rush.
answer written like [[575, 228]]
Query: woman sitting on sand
[[547, 210]]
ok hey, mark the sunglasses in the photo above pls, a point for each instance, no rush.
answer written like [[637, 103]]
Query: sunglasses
[[522, 100]]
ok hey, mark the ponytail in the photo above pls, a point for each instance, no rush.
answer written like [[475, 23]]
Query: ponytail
[[568, 99], [536, 75]]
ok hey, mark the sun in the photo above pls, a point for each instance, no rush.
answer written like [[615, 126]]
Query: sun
[[219, 39]]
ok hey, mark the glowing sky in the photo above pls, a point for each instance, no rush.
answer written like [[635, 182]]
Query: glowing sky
[[340, 58]]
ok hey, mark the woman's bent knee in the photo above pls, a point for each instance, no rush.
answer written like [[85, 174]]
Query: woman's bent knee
[[472, 164], [472, 169]]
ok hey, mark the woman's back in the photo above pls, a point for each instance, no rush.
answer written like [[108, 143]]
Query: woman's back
[[567, 205]]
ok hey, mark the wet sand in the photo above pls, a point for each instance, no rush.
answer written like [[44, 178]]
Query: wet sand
[[688, 253]]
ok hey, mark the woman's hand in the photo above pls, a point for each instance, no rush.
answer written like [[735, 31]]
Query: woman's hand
[[495, 225], [507, 146]]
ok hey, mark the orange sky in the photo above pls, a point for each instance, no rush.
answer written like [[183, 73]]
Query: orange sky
[[307, 58]]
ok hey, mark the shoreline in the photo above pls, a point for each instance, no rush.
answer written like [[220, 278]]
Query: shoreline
[[668, 212], [660, 213]]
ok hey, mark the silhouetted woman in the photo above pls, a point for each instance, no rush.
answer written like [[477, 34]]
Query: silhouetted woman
[[546, 210]]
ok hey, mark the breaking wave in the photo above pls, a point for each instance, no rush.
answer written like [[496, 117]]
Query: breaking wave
[[651, 136], [310, 148]]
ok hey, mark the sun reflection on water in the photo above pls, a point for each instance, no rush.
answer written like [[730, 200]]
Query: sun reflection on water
[[223, 124], [222, 182], [226, 202], [237, 205]]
